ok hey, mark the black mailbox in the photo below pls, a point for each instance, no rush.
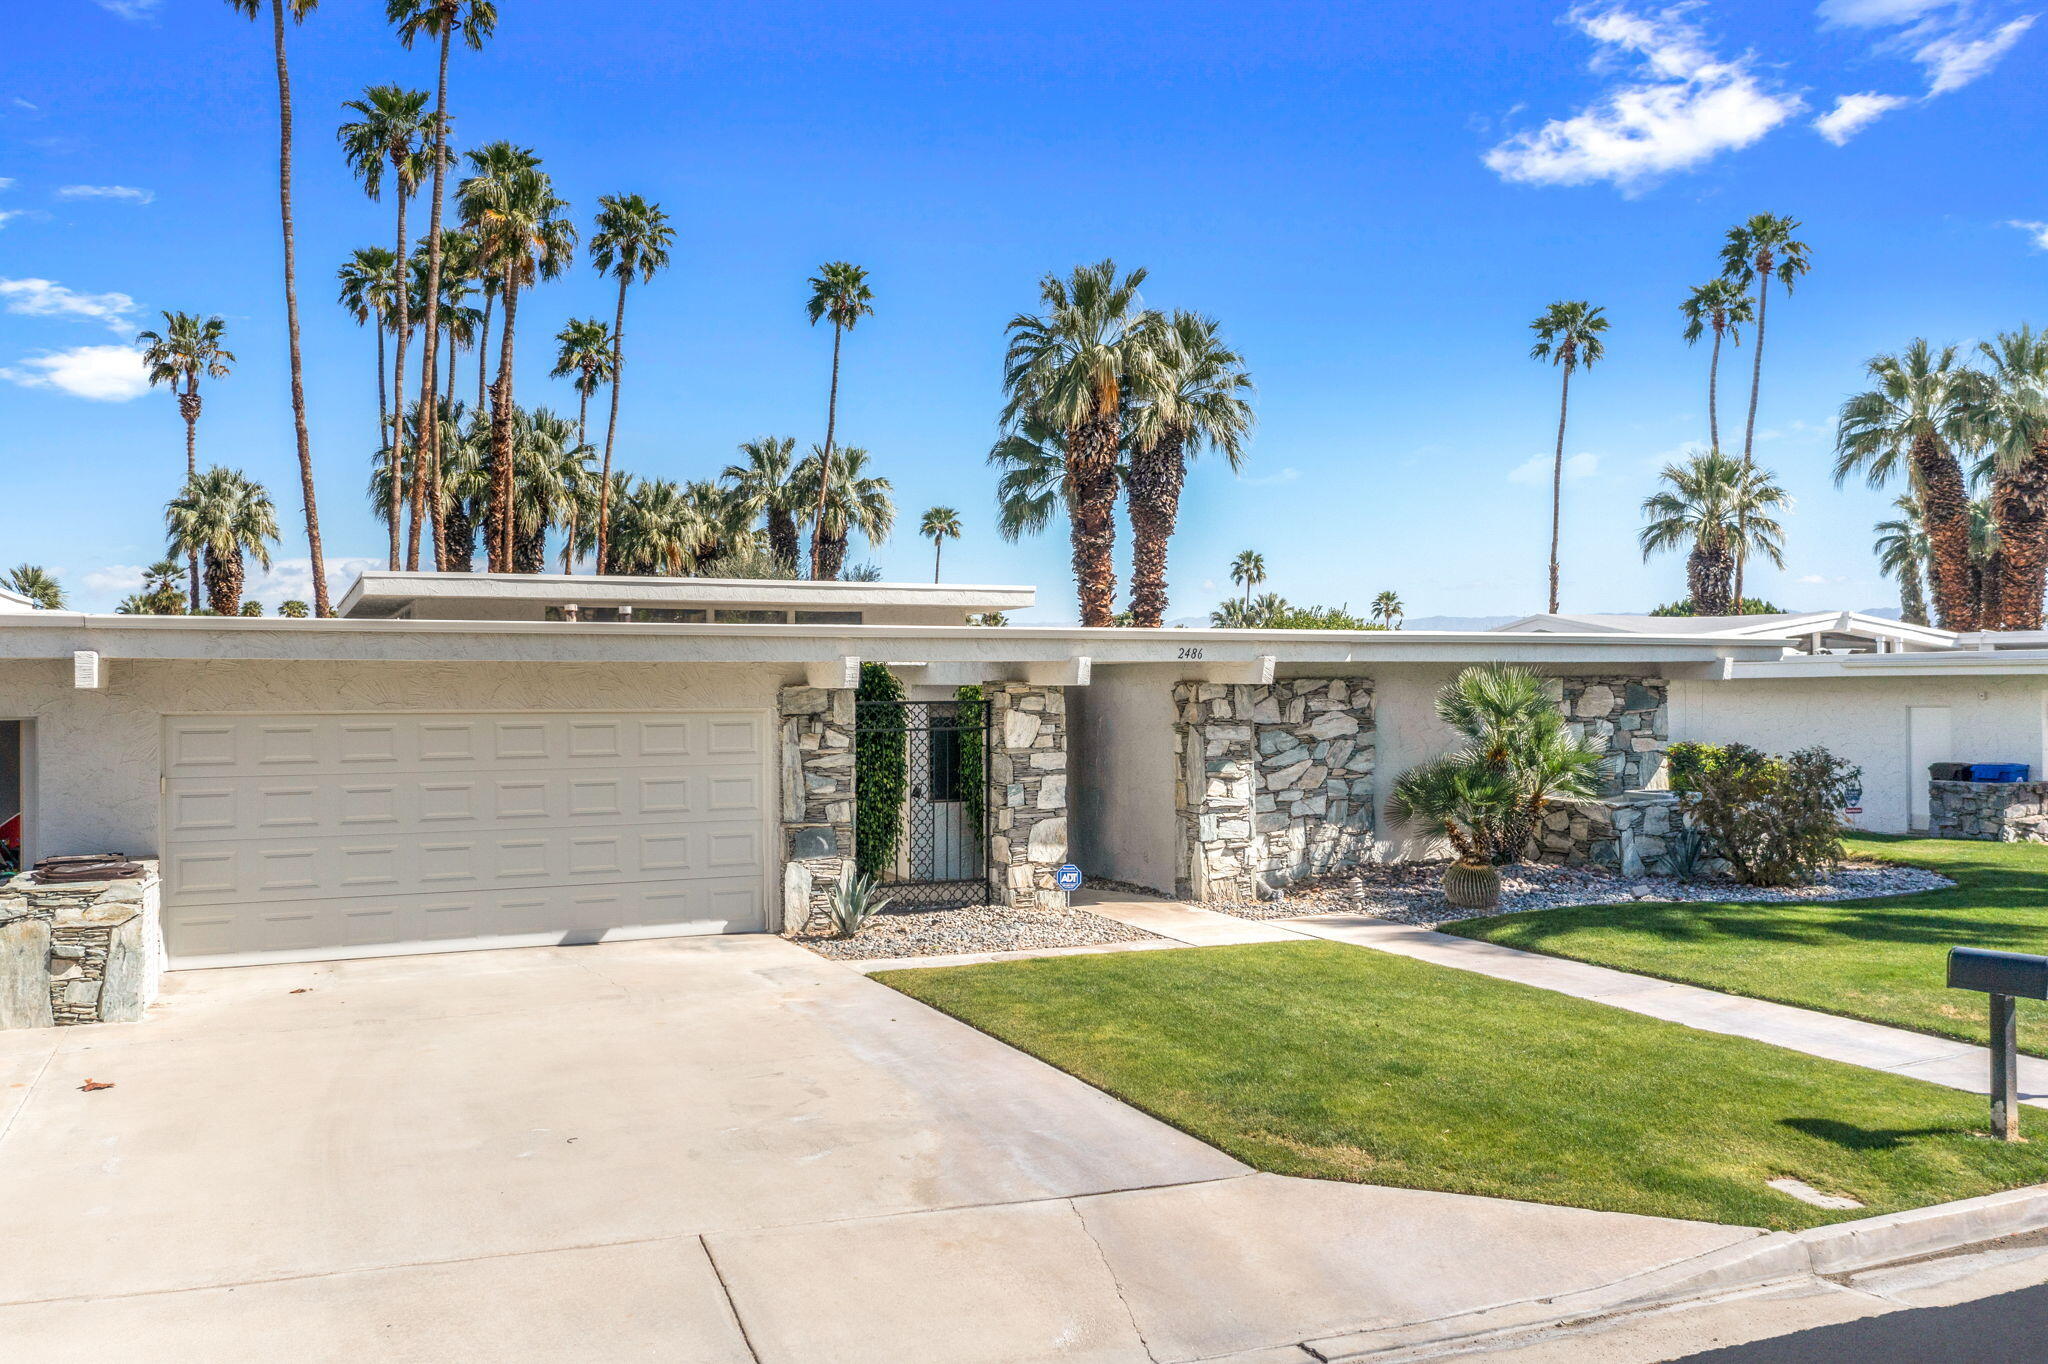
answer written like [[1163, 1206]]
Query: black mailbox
[[2019, 974]]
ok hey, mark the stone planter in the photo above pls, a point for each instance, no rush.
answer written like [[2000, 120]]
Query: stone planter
[[83, 952]]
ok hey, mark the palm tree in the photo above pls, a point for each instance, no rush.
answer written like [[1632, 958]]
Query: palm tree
[[440, 20], [1756, 251], [632, 238], [655, 529], [1200, 401], [1710, 504], [160, 594], [586, 352], [222, 516], [1387, 609], [1567, 335], [840, 294], [37, 585], [1035, 482], [853, 501], [1902, 552], [511, 206], [460, 321], [939, 523], [765, 483], [389, 132], [1914, 417], [298, 9], [551, 469], [2008, 413], [1248, 569], [1718, 306], [187, 347], [465, 484], [1068, 368], [369, 295]]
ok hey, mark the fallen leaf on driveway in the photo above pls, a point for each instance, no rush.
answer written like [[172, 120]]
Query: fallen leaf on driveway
[[90, 1085], [303, 989]]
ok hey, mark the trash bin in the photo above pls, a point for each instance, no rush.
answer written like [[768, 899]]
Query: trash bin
[[1998, 771], [1948, 771]]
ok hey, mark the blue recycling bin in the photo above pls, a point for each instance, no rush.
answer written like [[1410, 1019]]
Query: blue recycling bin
[[1998, 771]]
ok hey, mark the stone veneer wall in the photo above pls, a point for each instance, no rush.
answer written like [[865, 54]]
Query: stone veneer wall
[[1631, 833], [82, 952], [1272, 782], [1027, 793], [1989, 811], [817, 798], [1627, 715]]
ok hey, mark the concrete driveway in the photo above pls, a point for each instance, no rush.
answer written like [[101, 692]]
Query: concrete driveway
[[718, 1149]]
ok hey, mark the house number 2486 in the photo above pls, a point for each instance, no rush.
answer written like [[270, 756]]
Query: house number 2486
[[1191, 653]]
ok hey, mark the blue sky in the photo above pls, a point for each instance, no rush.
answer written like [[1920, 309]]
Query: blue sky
[[1375, 200]]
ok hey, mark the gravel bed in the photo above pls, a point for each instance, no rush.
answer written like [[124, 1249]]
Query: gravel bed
[[1411, 892], [971, 928]]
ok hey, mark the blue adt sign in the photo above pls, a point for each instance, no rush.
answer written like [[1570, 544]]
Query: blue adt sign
[[1068, 877]]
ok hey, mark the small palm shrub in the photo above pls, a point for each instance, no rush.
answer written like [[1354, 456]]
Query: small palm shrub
[[1775, 819], [854, 904]]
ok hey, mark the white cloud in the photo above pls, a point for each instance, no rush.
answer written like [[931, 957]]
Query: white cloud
[[1953, 61], [128, 192], [1853, 113], [7, 214], [292, 579], [2038, 231], [105, 374], [129, 9], [1287, 475], [1683, 107], [1872, 13], [6, 182], [1537, 468], [115, 580], [47, 298]]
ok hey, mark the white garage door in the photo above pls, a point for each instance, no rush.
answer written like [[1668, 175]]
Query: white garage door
[[312, 837]]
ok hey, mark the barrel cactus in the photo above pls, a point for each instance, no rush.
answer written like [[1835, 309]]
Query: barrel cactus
[[1472, 883]]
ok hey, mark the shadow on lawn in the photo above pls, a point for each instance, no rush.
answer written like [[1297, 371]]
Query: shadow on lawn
[[1854, 1138]]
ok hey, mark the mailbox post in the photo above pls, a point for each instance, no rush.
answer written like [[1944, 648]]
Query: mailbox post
[[2005, 976]]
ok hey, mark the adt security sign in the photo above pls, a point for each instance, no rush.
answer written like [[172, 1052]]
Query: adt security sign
[[1068, 877]]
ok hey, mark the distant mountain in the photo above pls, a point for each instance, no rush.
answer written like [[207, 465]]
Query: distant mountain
[[1455, 622]]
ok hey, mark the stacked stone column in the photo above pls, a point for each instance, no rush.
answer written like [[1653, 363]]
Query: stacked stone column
[[79, 952], [1027, 794], [817, 798]]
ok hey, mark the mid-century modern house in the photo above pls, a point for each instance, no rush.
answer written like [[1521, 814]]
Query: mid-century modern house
[[473, 760]]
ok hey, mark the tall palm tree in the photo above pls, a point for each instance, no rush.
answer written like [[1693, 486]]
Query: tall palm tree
[[765, 483], [585, 351], [2008, 413], [186, 348], [464, 485], [298, 10], [459, 319], [1069, 367], [1755, 252], [1200, 401], [655, 529], [1911, 420], [511, 206], [390, 132], [938, 524], [222, 516], [441, 20], [37, 585], [1035, 482], [1567, 335], [551, 468], [1387, 609], [839, 294], [632, 238], [1902, 552], [853, 501], [1721, 307], [1249, 570], [369, 294], [1708, 504]]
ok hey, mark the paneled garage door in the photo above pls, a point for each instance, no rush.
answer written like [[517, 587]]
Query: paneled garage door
[[313, 837]]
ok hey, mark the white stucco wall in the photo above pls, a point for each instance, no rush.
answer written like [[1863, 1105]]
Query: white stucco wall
[[1120, 774], [98, 754], [1994, 719]]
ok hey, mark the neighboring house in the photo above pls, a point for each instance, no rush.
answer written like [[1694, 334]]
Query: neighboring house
[[473, 760], [14, 602]]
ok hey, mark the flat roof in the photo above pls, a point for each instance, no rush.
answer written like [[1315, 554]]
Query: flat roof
[[380, 593], [1792, 624]]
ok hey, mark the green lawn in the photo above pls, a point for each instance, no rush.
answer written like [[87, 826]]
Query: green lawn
[[1338, 1062], [1880, 960]]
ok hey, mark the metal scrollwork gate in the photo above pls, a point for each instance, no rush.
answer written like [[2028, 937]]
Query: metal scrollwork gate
[[940, 855]]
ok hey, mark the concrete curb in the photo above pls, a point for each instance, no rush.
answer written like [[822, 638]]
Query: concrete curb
[[1768, 1258]]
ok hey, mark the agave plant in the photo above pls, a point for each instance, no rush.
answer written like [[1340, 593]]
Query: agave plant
[[854, 904]]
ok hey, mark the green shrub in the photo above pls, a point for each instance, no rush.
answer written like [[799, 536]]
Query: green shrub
[[880, 769], [1775, 819], [1751, 606], [972, 720]]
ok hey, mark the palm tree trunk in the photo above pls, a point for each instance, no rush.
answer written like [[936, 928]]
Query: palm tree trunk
[[1756, 384], [1912, 600], [1564, 403], [2019, 505], [483, 352], [223, 583], [783, 539], [291, 312], [938, 550], [188, 407], [398, 403], [1945, 508], [582, 415], [825, 466], [611, 430], [1713, 393], [1157, 476], [1092, 450], [503, 513], [383, 382], [1707, 570], [430, 396]]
